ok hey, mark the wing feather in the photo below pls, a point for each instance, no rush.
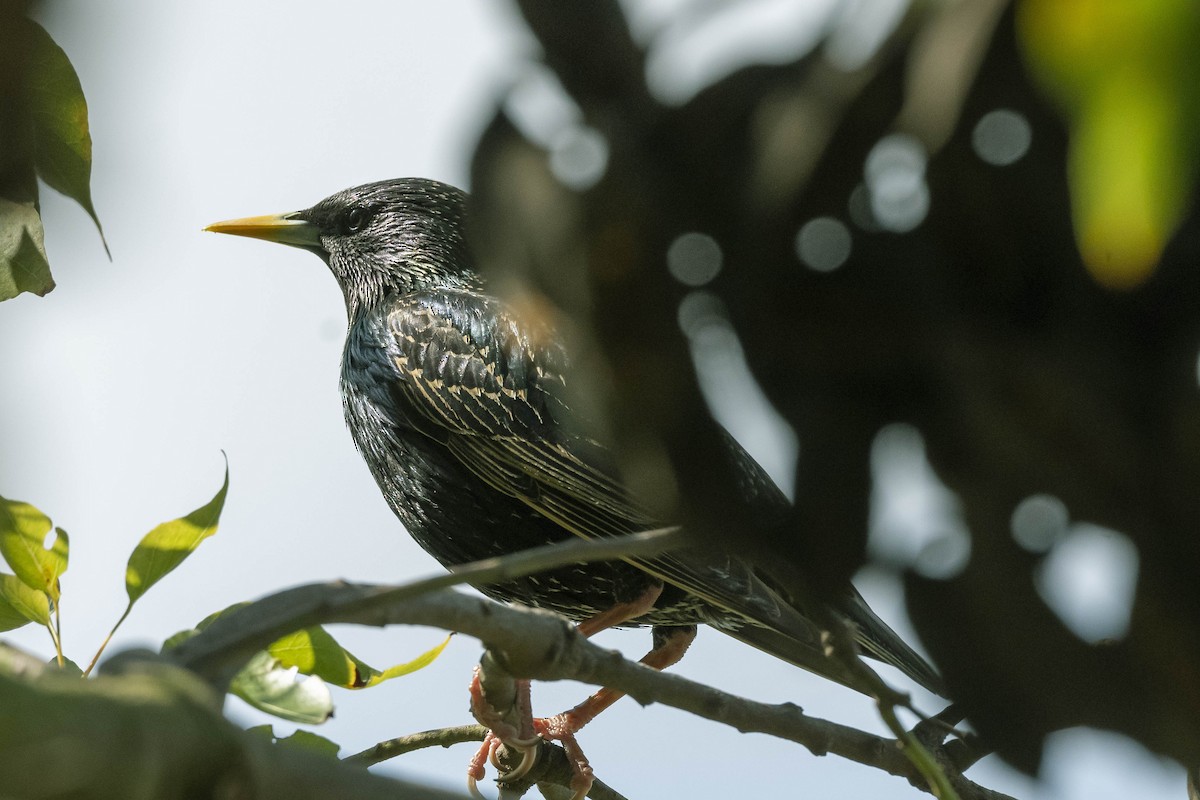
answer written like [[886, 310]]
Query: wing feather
[[491, 388]]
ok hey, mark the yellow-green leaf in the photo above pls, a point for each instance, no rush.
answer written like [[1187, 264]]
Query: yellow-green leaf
[[1125, 76], [164, 548], [20, 604], [58, 116], [23, 532], [420, 662], [314, 651]]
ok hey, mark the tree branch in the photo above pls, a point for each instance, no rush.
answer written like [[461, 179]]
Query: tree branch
[[538, 645], [552, 764], [439, 737], [476, 573]]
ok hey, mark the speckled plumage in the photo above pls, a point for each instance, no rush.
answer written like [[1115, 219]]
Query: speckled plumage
[[457, 406]]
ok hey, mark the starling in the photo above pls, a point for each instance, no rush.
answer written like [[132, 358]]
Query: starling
[[458, 406]]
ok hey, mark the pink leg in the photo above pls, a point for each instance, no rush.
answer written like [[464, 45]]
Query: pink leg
[[666, 653], [501, 732], [563, 727]]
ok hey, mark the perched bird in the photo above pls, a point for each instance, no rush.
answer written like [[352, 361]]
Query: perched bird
[[458, 407]]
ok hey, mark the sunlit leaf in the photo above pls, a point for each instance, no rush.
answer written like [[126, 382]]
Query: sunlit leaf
[[1124, 73], [164, 548], [23, 264], [21, 604], [313, 651], [270, 687], [420, 662], [59, 118], [23, 532]]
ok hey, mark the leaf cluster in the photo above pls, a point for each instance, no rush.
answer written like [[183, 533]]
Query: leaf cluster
[[44, 134]]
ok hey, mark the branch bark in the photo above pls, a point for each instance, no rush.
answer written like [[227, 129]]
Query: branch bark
[[533, 644]]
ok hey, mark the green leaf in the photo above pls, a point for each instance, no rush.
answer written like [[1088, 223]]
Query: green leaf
[[23, 531], [269, 687], [313, 651], [23, 264], [59, 117], [266, 732], [164, 548], [20, 604], [68, 667], [311, 742]]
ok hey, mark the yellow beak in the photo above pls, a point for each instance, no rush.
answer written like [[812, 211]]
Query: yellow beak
[[281, 228]]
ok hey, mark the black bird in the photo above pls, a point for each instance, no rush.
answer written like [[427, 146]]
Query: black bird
[[458, 406]]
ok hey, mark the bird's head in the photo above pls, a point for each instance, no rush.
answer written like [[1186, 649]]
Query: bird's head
[[394, 236]]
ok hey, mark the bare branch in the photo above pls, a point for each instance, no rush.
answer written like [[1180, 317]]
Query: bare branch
[[476, 573], [538, 645], [440, 737], [552, 769]]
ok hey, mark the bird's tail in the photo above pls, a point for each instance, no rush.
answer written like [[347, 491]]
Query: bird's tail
[[884, 644], [874, 638]]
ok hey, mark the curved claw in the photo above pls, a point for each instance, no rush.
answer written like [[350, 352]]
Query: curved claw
[[529, 750], [475, 769]]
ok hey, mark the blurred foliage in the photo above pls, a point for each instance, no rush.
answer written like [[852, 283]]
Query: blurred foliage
[[1125, 75], [153, 732], [305, 740], [43, 133], [986, 321]]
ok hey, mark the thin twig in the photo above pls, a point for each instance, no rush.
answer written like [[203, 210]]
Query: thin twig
[[441, 737], [92, 665], [446, 737]]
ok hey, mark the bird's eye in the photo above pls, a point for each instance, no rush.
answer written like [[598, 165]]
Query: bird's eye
[[356, 219]]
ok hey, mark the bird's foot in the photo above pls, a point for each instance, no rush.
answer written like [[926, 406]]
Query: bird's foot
[[477, 768], [562, 728], [501, 732]]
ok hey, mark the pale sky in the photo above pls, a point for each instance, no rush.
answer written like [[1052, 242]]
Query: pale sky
[[123, 386]]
